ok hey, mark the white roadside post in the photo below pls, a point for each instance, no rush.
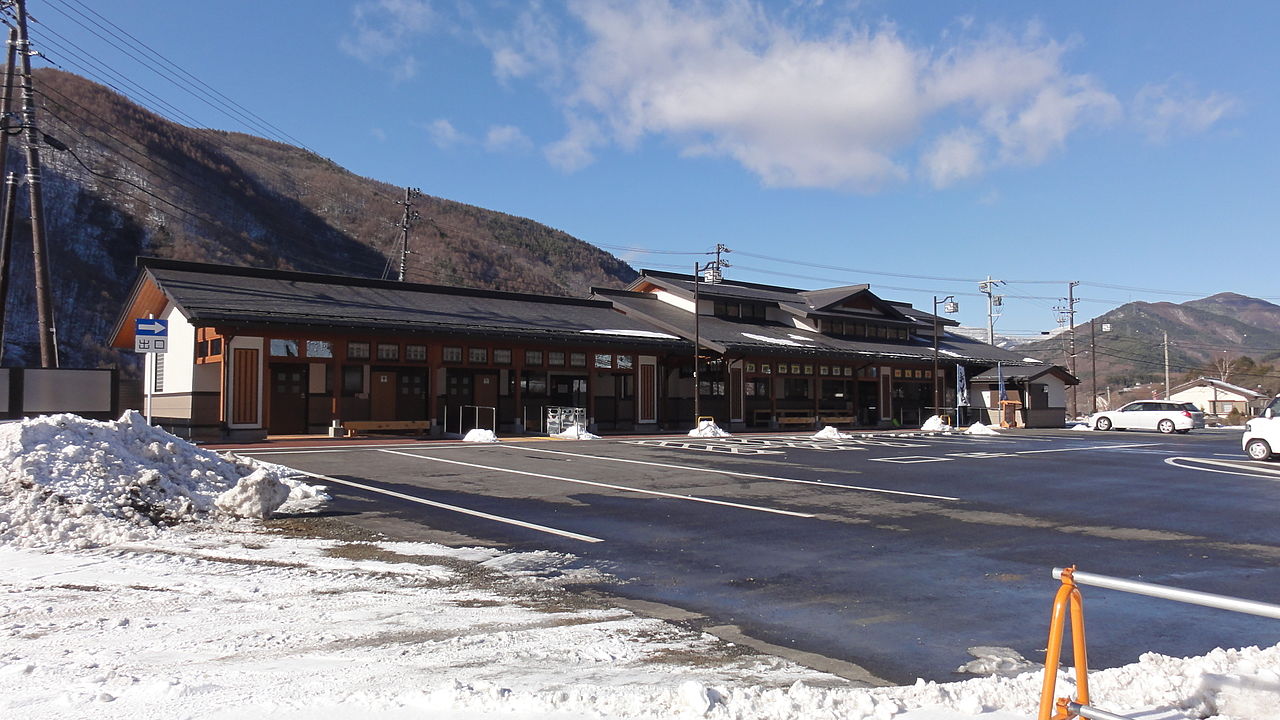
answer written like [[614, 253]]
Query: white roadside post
[[150, 336]]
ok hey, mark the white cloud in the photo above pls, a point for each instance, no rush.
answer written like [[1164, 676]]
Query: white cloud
[[502, 138], [381, 33], [533, 45], [852, 108], [1167, 110], [444, 134]]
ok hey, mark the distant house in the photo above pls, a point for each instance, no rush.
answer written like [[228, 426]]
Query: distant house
[[1215, 397]]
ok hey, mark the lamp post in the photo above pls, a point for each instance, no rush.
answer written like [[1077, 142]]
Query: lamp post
[[949, 305]]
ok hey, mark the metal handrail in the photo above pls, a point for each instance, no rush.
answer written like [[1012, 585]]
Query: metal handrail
[[1192, 597], [1068, 599]]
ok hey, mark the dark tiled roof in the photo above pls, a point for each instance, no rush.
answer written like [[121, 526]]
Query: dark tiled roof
[[209, 294], [775, 339]]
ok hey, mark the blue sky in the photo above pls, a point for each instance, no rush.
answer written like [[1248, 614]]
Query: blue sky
[[916, 146]]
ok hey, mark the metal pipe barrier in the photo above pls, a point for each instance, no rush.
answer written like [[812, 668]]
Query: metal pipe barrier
[[462, 411], [1068, 599]]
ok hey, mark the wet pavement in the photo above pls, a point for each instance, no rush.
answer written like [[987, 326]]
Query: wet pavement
[[893, 553]]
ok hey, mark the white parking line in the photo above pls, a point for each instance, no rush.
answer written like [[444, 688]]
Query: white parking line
[[1223, 463], [1090, 447], [733, 473], [624, 488], [454, 508]]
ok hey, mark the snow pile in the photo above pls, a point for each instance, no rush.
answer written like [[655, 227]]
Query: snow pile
[[935, 423], [576, 432], [1002, 661], [980, 429], [708, 428], [1082, 426], [480, 435], [68, 481], [830, 433]]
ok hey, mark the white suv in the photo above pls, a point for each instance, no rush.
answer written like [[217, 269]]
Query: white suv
[[1262, 434]]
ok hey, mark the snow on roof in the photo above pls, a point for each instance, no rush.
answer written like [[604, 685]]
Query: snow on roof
[[1033, 360], [775, 340], [634, 333]]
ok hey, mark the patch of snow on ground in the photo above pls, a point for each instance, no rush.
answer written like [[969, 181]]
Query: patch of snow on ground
[[935, 424], [575, 433], [68, 481], [1082, 426], [830, 433], [708, 428], [480, 435], [1002, 661], [980, 429]]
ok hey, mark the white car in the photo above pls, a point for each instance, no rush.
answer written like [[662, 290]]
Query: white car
[[1163, 415], [1262, 434]]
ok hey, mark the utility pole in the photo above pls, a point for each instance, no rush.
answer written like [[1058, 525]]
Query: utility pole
[[712, 268], [39, 252], [11, 185], [1093, 362], [1071, 339], [1166, 365], [410, 217], [987, 287]]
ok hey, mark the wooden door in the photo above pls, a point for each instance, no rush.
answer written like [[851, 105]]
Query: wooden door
[[382, 395], [486, 390], [244, 387], [412, 401], [288, 400], [647, 394]]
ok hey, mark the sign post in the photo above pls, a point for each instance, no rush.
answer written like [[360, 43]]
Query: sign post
[[150, 336]]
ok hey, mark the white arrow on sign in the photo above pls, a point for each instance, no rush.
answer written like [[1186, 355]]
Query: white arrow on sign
[[151, 327]]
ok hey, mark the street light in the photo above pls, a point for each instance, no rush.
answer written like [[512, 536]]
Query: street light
[[949, 305]]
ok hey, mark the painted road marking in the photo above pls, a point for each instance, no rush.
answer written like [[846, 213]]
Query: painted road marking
[[735, 473], [623, 488], [454, 508], [910, 459], [709, 447], [1268, 472]]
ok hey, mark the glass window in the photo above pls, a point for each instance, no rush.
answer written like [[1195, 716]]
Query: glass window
[[795, 369], [796, 389], [534, 384], [452, 354], [577, 359], [502, 357], [319, 349], [604, 361], [625, 362], [387, 351], [416, 353], [808, 369], [766, 368], [751, 367], [555, 358], [897, 372], [848, 372], [358, 350], [215, 346], [352, 379], [782, 369], [284, 348], [824, 370], [478, 355], [533, 357]]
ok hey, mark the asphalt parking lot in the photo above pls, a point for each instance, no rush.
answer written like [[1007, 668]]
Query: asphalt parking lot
[[890, 552]]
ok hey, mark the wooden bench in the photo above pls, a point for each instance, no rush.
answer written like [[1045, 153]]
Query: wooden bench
[[357, 427], [794, 417], [836, 419]]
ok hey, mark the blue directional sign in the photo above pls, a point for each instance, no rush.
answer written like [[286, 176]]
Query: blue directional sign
[[150, 335]]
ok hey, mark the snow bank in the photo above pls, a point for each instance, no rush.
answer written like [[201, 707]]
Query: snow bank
[[71, 482], [935, 424], [708, 428], [480, 435], [830, 433], [575, 433], [980, 429], [1082, 426]]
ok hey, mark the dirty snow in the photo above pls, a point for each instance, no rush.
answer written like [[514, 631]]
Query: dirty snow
[[480, 435], [980, 429], [575, 433], [177, 610], [634, 333], [935, 424], [830, 433], [1081, 426], [708, 428]]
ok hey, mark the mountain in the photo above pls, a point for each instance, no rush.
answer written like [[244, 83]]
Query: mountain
[[1225, 334], [130, 183]]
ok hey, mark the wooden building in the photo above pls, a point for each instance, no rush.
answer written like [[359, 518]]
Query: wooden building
[[253, 352]]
